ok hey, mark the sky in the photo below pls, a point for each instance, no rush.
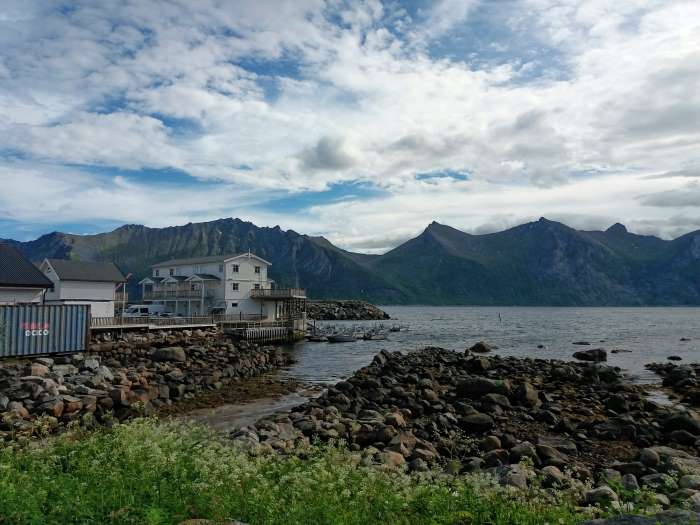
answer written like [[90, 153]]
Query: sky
[[361, 121]]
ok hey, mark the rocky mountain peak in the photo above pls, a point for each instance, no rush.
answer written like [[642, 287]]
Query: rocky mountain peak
[[617, 228]]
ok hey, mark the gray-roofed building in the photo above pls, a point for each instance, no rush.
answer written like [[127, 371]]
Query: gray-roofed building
[[84, 282], [90, 271], [232, 284], [20, 280]]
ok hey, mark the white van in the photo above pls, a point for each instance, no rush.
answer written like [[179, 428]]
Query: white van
[[144, 310]]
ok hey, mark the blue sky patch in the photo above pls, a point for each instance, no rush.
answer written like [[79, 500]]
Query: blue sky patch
[[443, 174], [336, 193]]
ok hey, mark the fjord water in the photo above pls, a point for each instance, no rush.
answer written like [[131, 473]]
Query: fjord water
[[644, 334]]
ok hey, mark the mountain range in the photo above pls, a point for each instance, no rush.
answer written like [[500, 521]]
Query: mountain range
[[538, 263]]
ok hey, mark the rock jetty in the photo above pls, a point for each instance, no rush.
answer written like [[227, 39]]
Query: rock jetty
[[683, 380], [570, 425], [345, 311], [119, 380]]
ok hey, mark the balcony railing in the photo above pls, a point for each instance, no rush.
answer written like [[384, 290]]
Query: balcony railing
[[121, 297], [177, 294], [278, 293]]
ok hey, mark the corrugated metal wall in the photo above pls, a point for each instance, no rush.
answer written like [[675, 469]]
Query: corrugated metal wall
[[43, 329]]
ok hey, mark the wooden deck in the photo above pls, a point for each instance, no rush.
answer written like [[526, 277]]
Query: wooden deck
[[248, 329], [111, 324]]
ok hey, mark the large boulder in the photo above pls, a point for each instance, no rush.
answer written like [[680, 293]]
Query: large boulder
[[172, 353], [480, 348], [475, 387], [682, 421], [594, 354]]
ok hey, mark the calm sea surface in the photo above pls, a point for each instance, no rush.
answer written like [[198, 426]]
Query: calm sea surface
[[649, 334]]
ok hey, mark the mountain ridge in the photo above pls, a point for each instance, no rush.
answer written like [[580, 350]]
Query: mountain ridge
[[537, 263]]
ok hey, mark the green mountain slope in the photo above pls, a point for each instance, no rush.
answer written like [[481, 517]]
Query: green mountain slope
[[538, 263]]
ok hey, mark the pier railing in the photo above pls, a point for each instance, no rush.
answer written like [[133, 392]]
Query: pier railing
[[278, 293], [177, 294], [103, 322]]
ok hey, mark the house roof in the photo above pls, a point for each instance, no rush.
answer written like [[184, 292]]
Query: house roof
[[87, 271], [151, 280], [205, 277], [250, 255], [17, 271], [207, 259], [176, 278], [193, 260]]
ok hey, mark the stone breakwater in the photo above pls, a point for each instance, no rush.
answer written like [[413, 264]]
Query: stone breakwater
[[122, 379], [345, 311], [564, 425]]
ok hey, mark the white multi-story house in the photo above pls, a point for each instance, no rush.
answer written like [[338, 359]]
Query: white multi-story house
[[85, 282], [235, 285]]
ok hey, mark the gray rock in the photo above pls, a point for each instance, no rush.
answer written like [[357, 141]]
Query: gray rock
[[392, 459], [480, 348], [689, 481], [694, 501], [523, 450], [649, 457], [90, 363], [173, 353], [560, 443], [418, 465], [661, 499], [46, 361], [594, 354], [528, 395], [65, 370], [490, 443], [476, 386], [515, 476], [610, 474], [629, 482], [682, 421], [600, 495], [659, 481], [478, 422], [106, 373], [552, 476]]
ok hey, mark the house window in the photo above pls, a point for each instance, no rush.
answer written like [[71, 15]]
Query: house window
[[197, 268], [257, 269], [234, 305], [157, 273], [234, 287], [234, 268], [221, 268], [256, 286], [172, 271]]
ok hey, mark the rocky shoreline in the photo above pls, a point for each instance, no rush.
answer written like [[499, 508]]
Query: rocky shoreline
[[570, 426], [682, 380], [345, 311], [117, 380]]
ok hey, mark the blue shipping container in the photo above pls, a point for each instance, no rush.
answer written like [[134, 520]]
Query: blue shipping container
[[27, 330]]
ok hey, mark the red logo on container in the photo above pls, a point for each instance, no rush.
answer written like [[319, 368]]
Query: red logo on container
[[35, 329]]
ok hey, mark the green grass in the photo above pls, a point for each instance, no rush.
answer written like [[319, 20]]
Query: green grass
[[151, 472]]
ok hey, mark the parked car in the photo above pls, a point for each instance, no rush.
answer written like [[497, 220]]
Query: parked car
[[144, 310]]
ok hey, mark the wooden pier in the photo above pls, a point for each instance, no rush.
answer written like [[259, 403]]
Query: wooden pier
[[248, 328]]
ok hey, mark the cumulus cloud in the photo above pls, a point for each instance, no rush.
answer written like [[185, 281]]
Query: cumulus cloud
[[257, 98], [327, 154]]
